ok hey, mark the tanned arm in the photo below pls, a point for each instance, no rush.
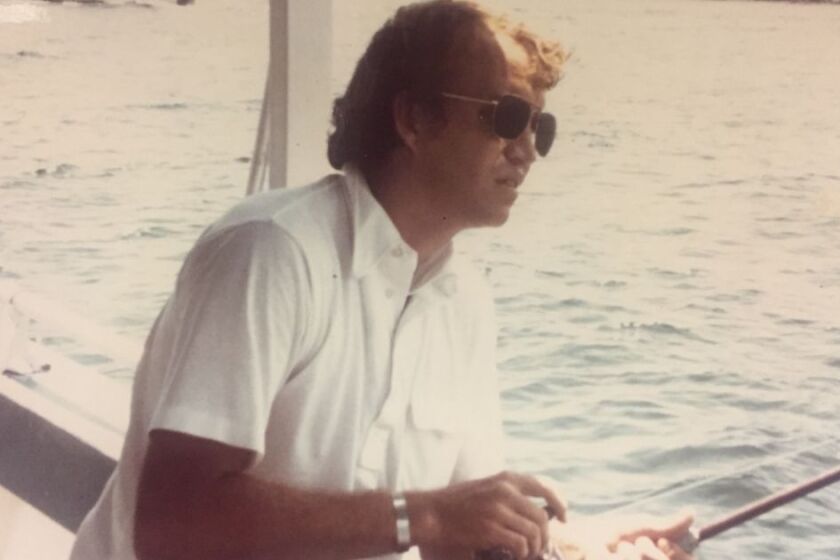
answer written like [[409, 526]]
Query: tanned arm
[[195, 501]]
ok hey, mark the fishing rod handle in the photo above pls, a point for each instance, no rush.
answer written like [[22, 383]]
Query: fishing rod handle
[[690, 541]]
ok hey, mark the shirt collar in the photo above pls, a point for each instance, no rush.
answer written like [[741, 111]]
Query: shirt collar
[[446, 281], [375, 235]]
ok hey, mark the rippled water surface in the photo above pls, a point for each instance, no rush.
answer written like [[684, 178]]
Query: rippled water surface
[[667, 289]]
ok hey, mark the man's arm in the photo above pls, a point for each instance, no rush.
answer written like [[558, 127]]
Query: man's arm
[[194, 500]]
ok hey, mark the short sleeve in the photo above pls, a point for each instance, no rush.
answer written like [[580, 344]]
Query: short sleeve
[[240, 310]]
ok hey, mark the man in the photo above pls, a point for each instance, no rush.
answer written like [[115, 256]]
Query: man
[[321, 383]]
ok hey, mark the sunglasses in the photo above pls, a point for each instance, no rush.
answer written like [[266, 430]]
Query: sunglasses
[[511, 115]]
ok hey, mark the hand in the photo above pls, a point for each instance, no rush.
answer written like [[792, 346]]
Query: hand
[[483, 514], [626, 538]]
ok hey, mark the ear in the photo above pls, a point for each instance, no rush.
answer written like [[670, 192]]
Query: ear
[[410, 120]]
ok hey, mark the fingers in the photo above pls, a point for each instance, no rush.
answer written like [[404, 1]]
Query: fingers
[[540, 488], [673, 529], [530, 520], [510, 545], [627, 551], [530, 538], [642, 549], [485, 514], [597, 538], [672, 551], [648, 550]]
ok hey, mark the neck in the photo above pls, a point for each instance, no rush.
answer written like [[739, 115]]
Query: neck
[[408, 202]]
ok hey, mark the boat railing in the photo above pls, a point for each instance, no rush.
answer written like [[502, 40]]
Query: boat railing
[[63, 423], [17, 302]]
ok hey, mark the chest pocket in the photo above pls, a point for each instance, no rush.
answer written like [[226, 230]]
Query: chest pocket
[[438, 409]]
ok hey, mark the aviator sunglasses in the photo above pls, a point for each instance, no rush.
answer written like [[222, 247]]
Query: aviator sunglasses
[[511, 115]]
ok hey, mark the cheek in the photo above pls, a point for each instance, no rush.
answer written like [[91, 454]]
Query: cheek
[[473, 157], [491, 161]]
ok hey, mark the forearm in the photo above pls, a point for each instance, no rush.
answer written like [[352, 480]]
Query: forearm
[[196, 500], [239, 516]]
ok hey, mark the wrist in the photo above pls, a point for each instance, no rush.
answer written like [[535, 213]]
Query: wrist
[[423, 518]]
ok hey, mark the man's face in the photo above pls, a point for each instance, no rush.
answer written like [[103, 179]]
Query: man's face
[[473, 175]]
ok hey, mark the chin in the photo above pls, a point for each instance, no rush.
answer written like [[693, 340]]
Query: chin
[[493, 219], [501, 219]]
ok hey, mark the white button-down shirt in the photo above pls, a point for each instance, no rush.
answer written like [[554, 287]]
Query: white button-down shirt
[[298, 330]]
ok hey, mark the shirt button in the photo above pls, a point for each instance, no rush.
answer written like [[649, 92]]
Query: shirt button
[[398, 252], [389, 293]]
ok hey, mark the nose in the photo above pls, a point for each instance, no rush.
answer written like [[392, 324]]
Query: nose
[[521, 150]]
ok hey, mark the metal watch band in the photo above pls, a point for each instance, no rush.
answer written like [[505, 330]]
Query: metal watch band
[[403, 526]]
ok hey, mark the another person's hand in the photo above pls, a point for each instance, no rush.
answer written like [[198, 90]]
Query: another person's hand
[[623, 538], [493, 512]]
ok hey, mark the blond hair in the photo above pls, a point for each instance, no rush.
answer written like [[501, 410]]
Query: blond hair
[[409, 54]]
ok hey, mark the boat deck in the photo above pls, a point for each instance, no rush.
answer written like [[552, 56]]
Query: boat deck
[[61, 430]]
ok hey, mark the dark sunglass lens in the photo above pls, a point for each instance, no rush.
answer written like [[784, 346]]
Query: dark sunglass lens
[[511, 117], [545, 133]]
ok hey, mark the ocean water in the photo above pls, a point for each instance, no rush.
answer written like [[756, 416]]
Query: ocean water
[[668, 288]]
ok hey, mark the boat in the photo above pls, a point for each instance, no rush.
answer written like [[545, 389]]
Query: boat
[[63, 423]]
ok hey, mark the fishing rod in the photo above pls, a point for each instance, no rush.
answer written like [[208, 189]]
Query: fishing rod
[[758, 507], [750, 511]]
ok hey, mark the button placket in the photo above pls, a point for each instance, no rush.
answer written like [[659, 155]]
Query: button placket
[[382, 442], [396, 272], [387, 430], [408, 340], [393, 409]]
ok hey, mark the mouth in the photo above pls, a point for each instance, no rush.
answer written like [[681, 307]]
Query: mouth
[[509, 182], [511, 178]]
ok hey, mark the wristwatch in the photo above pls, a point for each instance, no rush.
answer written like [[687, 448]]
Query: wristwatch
[[403, 527]]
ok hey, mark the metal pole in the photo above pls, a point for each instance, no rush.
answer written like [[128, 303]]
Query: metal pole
[[296, 114]]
